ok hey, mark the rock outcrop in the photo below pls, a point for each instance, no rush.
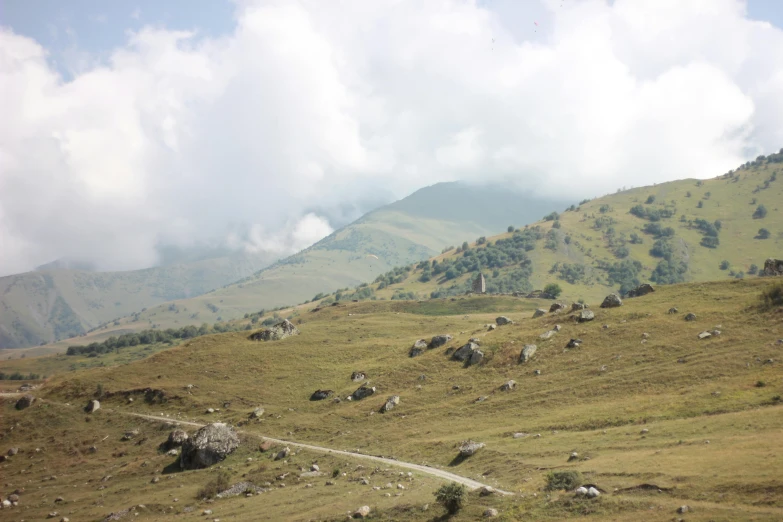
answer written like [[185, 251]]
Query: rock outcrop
[[612, 301], [773, 267], [640, 290], [439, 340], [468, 448], [464, 352], [281, 330], [25, 401], [209, 445]]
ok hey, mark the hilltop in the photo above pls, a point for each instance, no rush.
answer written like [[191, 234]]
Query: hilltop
[[657, 417]]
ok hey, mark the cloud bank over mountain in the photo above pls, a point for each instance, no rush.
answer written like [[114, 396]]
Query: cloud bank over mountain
[[306, 115]]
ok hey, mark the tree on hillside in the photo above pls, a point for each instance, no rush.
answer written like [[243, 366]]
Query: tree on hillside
[[553, 289], [511, 228], [760, 213], [763, 234], [452, 496]]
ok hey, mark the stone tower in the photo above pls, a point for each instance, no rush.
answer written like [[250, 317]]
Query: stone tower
[[480, 284]]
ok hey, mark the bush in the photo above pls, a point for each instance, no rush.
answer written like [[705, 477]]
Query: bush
[[554, 216], [773, 296], [753, 269], [724, 265], [763, 234], [700, 204], [510, 228], [710, 242], [556, 224], [557, 480], [215, 486], [760, 213], [452, 496], [553, 289], [650, 200]]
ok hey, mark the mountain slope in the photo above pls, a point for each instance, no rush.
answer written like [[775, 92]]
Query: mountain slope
[[687, 230], [51, 304], [414, 228]]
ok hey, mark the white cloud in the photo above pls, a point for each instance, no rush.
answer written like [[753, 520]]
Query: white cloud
[[179, 138]]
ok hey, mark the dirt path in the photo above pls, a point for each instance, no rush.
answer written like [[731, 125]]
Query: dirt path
[[472, 484]]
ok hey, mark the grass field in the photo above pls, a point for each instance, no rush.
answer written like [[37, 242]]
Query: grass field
[[711, 408]]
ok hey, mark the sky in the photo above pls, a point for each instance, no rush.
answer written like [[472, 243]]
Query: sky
[[263, 125]]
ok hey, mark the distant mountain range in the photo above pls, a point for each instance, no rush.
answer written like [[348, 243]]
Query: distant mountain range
[[47, 306]]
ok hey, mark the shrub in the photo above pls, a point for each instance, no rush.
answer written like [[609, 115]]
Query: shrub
[[554, 216], [650, 200], [710, 242], [760, 384], [763, 234], [556, 224], [335, 472], [724, 265], [760, 213], [700, 205], [452, 496], [753, 269], [510, 228], [215, 486], [553, 289], [773, 296], [557, 480]]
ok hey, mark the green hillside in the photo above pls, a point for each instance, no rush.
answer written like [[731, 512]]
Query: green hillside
[[687, 230], [51, 304], [412, 229], [657, 418]]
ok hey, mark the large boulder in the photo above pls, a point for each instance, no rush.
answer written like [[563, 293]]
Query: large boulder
[[539, 312], [176, 439], [92, 406], [578, 306], [556, 307], [585, 315], [527, 352], [640, 290], [390, 403], [469, 448], [503, 320], [418, 348], [439, 340], [362, 392], [319, 395], [476, 357], [773, 267], [209, 445], [281, 330], [464, 352], [612, 301], [25, 401]]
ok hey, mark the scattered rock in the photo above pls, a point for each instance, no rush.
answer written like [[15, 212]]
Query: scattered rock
[[464, 353], [239, 489], [612, 301], [556, 307], [705, 335], [690, 317], [476, 357], [537, 372], [640, 290], [683, 509], [319, 395], [574, 343], [257, 413], [557, 328], [277, 332], [266, 446], [208, 446], [593, 493], [209, 410], [673, 310], [468, 448], [645, 335], [439, 340], [539, 312], [527, 352], [585, 316], [176, 438], [573, 456], [362, 392], [360, 376], [25, 401], [503, 320], [577, 306], [362, 512], [128, 435], [418, 348], [491, 327], [284, 453], [53, 514], [490, 512], [92, 406], [13, 451], [547, 335], [390, 403], [486, 491], [508, 386], [581, 491]]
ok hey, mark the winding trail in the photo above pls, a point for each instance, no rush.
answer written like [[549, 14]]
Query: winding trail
[[472, 484]]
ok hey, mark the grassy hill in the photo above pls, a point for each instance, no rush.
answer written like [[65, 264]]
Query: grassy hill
[[412, 229], [52, 303], [688, 230], [658, 417]]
